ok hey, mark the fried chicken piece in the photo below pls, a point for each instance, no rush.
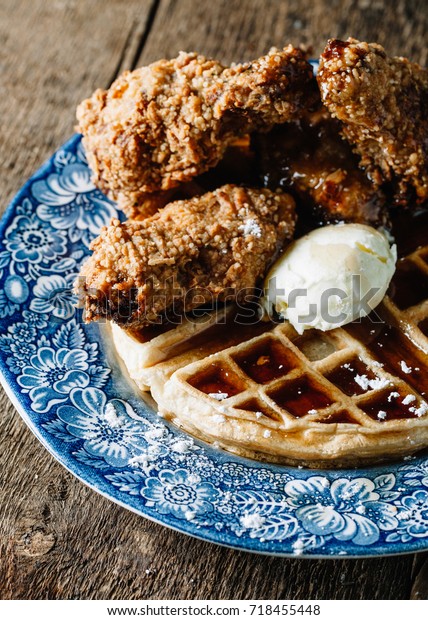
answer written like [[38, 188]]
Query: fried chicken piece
[[236, 167], [210, 248], [140, 205], [163, 124], [311, 160], [383, 105]]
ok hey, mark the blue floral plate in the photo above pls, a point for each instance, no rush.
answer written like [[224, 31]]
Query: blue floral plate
[[65, 381]]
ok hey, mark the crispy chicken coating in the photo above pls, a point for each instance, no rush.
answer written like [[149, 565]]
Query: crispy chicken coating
[[311, 160], [139, 205], [210, 248], [383, 105], [237, 167], [163, 124]]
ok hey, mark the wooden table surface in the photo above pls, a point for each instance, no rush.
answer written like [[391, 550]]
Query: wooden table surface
[[58, 538]]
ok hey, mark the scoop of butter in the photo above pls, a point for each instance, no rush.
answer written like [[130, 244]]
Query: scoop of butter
[[330, 277]]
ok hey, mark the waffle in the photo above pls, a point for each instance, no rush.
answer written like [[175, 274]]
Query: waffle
[[151, 355], [347, 397]]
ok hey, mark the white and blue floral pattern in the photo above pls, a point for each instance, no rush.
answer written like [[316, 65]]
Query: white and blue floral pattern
[[345, 509], [73, 395], [53, 294], [180, 493], [105, 426], [29, 239], [68, 200]]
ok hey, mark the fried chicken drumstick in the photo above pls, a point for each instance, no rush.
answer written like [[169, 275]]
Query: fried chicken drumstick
[[163, 124], [209, 248], [311, 160], [383, 105]]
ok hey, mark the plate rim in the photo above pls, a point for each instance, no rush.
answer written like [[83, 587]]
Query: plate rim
[[247, 544]]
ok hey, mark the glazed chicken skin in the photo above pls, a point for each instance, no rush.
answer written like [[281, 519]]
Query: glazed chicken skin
[[163, 124], [382, 103], [311, 160], [209, 248]]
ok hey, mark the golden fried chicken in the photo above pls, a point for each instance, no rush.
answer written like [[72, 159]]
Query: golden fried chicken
[[383, 105], [163, 124], [210, 248], [311, 160], [139, 205], [236, 167]]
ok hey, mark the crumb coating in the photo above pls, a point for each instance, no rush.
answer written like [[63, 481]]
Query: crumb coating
[[209, 248], [383, 105], [165, 123]]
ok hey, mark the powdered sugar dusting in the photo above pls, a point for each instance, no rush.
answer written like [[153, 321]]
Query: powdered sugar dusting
[[419, 411], [252, 520], [251, 227], [155, 433], [111, 416], [393, 395], [182, 445], [218, 395], [374, 384], [219, 418], [405, 368], [410, 398]]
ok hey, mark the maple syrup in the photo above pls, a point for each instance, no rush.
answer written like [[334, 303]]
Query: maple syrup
[[410, 230], [301, 396], [394, 350], [148, 332], [267, 361], [423, 326], [389, 406], [347, 375], [342, 417], [232, 329], [409, 285], [218, 379], [309, 159], [258, 407]]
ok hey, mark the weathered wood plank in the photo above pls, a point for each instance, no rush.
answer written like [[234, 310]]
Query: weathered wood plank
[[64, 541], [420, 578], [59, 539], [232, 30], [52, 55]]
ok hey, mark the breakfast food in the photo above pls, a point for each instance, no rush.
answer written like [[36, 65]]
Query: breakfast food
[[330, 277], [180, 282], [310, 159], [382, 103], [347, 397], [162, 125], [193, 252], [151, 355]]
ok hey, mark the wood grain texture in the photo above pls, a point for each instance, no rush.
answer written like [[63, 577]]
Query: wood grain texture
[[52, 55], [58, 538], [236, 30], [420, 579]]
